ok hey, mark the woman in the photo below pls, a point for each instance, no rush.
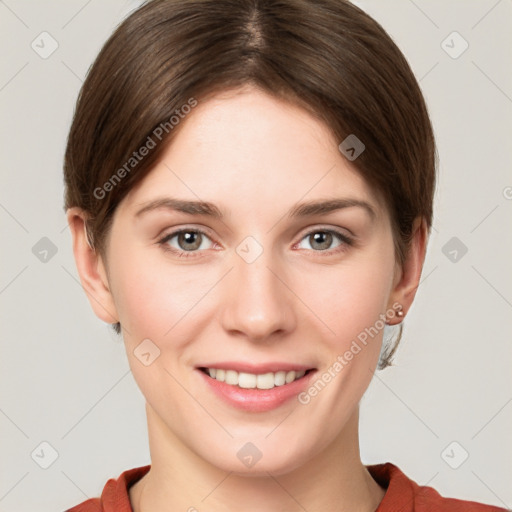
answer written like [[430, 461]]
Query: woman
[[249, 187]]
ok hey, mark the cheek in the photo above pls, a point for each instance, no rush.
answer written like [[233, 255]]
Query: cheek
[[153, 296], [349, 303], [159, 301], [350, 297]]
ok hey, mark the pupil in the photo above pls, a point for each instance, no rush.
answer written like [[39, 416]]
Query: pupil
[[323, 238], [189, 239]]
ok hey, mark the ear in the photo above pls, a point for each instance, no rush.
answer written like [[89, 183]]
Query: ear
[[91, 268], [407, 277]]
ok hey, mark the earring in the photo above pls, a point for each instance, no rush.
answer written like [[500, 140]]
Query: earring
[[399, 313]]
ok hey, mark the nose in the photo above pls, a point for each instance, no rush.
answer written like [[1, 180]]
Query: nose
[[259, 304]]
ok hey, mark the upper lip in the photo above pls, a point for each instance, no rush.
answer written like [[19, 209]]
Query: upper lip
[[273, 367]]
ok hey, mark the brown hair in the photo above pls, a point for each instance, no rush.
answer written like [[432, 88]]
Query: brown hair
[[327, 56]]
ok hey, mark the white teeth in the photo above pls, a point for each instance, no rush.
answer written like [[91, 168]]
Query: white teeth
[[280, 378], [265, 381], [290, 377], [231, 377], [252, 381], [247, 380]]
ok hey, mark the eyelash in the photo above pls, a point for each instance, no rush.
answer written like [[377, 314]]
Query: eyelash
[[346, 241]]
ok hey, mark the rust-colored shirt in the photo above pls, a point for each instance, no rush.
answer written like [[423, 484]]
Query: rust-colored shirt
[[402, 494]]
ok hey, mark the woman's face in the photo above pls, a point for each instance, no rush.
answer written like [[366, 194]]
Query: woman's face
[[265, 287]]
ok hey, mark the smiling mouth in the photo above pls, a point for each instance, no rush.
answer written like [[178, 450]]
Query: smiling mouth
[[245, 380]]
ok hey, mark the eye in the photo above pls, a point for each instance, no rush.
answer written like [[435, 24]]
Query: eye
[[321, 240], [187, 240]]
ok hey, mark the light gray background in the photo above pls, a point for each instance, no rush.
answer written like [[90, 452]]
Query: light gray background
[[64, 375]]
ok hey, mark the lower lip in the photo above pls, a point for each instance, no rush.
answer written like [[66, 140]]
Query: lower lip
[[257, 400]]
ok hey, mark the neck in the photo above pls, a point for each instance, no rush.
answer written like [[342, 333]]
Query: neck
[[333, 480]]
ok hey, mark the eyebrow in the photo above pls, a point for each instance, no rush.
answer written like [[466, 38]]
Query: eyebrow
[[324, 207], [308, 209], [180, 205]]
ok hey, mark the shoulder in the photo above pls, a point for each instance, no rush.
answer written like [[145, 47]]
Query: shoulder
[[404, 494], [114, 497], [91, 505]]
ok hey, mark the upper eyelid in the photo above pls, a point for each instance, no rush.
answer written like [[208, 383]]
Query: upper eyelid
[[177, 231], [337, 230]]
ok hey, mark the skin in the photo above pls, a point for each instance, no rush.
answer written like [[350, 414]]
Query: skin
[[255, 157]]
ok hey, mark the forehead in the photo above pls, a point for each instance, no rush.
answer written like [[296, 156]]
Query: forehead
[[248, 144]]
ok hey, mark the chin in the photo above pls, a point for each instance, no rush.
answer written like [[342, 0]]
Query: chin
[[258, 458]]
